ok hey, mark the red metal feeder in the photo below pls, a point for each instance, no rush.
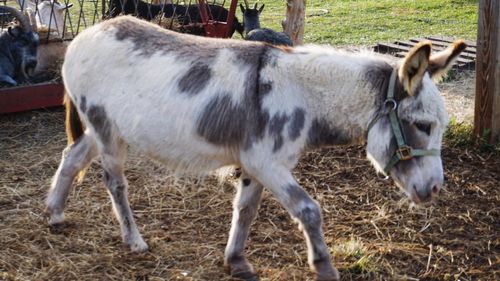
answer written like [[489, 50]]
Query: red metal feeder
[[218, 29]]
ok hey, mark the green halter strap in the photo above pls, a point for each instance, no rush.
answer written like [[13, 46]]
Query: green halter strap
[[404, 151]]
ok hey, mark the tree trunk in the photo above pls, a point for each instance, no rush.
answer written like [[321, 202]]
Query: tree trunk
[[293, 25]]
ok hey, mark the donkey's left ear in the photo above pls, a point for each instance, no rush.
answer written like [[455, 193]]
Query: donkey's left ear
[[441, 62], [414, 66]]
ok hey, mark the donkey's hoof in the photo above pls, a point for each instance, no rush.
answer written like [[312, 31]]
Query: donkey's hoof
[[239, 267], [139, 246], [328, 279], [56, 219], [247, 276], [332, 275]]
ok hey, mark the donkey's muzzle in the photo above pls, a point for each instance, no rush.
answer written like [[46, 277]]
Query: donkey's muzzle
[[427, 193]]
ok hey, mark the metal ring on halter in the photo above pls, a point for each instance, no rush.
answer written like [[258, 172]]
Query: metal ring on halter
[[394, 104]]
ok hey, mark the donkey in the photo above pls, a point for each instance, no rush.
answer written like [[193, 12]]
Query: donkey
[[258, 106]]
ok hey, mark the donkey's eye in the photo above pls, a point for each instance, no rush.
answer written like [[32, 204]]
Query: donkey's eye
[[424, 127]]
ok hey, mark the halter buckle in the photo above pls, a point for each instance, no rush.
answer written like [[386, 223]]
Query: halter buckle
[[405, 153], [390, 104]]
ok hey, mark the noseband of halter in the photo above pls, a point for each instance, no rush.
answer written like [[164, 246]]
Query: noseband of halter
[[404, 151]]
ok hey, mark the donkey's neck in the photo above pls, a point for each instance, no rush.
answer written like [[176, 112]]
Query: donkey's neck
[[344, 92]]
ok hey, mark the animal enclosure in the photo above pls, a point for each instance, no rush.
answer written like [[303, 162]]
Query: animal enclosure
[[57, 22]]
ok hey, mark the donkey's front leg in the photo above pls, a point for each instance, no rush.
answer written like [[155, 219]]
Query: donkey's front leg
[[245, 206], [305, 211]]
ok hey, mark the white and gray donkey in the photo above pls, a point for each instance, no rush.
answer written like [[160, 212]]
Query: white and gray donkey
[[198, 104]]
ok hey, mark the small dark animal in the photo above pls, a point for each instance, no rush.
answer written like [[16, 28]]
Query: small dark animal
[[253, 31], [185, 14], [18, 49]]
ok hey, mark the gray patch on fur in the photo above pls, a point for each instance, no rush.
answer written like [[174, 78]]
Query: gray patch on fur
[[296, 123], [117, 189], [310, 218], [149, 39], [195, 79], [83, 104], [222, 122], [297, 194], [376, 77], [100, 122], [323, 133], [276, 126], [265, 88], [225, 123]]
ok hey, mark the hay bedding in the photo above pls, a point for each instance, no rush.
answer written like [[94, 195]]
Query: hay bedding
[[372, 231]]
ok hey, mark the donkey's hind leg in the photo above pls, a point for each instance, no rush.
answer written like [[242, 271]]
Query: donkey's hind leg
[[75, 158], [113, 160], [245, 206]]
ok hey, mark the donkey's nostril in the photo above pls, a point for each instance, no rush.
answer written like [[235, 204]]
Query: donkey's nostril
[[423, 194]]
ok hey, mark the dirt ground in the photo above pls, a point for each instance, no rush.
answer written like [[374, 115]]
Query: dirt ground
[[373, 232]]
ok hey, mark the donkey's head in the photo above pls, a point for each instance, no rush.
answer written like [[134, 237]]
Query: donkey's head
[[404, 141]]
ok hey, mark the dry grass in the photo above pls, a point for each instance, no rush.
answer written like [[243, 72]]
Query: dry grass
[[459, 93], [373, 233]]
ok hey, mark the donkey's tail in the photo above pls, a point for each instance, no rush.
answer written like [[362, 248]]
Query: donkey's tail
[[74, 127]]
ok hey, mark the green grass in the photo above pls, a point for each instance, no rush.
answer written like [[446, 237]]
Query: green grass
[[365, 22], [460, 134]]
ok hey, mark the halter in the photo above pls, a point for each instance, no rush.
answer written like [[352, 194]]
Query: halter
[[404, 151]]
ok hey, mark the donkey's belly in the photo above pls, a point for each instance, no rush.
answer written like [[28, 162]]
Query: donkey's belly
[[166, 129], [184, 153]]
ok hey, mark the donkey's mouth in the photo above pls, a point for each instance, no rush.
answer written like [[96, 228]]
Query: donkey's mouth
[[409, 192]]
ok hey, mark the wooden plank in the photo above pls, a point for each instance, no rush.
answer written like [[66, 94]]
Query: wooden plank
[[487, 103], [400, 49], [406, 45], [461, 62], [433, 38], [469, 51], [24, 98], [401, 46]]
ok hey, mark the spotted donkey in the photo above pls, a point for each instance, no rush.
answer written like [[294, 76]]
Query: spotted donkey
[[198, 104]]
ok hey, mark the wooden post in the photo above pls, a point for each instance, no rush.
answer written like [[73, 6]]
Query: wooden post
[[293, 25], [487, 103]]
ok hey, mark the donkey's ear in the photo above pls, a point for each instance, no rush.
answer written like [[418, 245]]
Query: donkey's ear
[[441, 62], [414, 65], [261, 8]]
